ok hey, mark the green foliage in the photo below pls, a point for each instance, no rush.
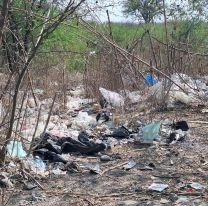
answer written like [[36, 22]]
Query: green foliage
[[75, 39], [145, 10], [72, 44]]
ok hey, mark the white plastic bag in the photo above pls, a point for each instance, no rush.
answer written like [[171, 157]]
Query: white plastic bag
[[36, 165], [73, 102], [157, 91], [134, 96], [83, 121], [113, 98], [184, 98]]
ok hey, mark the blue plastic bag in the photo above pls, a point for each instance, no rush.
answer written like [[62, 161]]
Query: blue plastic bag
[[151, 131], [15, 149], [151, 80]]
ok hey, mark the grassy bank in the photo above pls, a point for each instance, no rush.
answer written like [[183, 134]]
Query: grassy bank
[[76, 41]]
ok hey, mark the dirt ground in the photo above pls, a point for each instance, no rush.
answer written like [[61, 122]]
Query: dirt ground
[[176, 165]]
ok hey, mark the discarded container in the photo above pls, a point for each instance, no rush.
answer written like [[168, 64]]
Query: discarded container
[[151, 80], [113, 98], [14, 148], [151, 132], [158, 187]]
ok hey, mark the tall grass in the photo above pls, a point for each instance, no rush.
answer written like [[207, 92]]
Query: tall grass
[[77, 40]]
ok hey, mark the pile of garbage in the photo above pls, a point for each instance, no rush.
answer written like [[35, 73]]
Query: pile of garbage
[[92, 132], [68, 133], [89, 128]]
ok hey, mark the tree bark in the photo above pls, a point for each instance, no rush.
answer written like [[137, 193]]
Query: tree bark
[[3, 17]]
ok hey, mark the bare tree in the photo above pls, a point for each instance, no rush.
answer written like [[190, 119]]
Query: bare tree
[[3, 16], [30, 23]]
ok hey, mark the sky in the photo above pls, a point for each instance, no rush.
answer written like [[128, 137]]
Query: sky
[[115, 10]]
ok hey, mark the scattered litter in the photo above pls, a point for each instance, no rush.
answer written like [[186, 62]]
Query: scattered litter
[[83, 146], [72, 167], [51, 147], [37, 197], [151, 79], [56, 133], [180, 96], [5, 181], [131, 163], [180, 125], [94, 168], [57, 171], [159, 187], [134, 97], [151, 132], [15, 149], [204, 111], [150, 167], [196, 186], [120, 133], [84, 121], [175, 137], [113, 98], [104, 115], [36, 165], [157, 91], [105, 158], [90, 133], [29, 185]]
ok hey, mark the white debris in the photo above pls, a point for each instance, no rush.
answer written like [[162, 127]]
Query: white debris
[[83, 121], [73, 102], [180, 96], [159, 187], [134, 96], [196, 186], [113, 98]]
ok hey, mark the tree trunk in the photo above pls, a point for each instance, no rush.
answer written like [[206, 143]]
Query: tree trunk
[[3, 17]]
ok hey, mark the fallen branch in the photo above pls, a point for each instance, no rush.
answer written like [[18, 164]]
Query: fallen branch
[[114, 167], [124, 52], [198, 122], [39, 185]]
